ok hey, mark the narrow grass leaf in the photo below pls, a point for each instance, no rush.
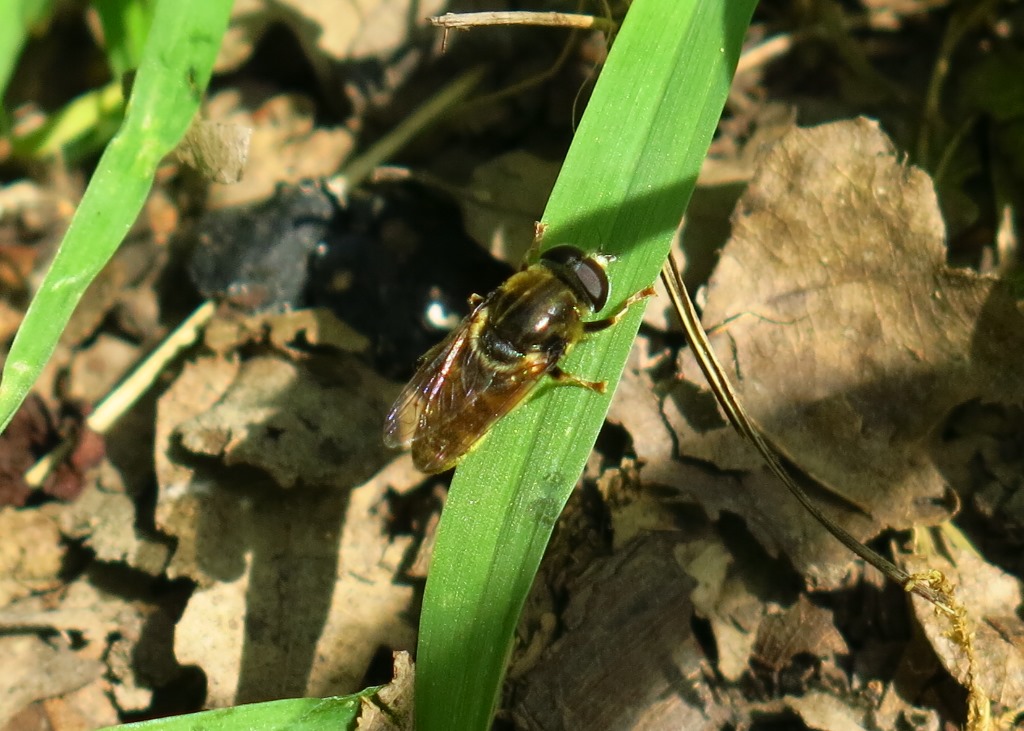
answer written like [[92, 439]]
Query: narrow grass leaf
[[294, 714], [175, 69], [16, 20], [125, 30], [622, 190], [80, 128]]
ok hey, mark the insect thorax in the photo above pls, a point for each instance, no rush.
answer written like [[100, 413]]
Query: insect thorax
[[532, 313]]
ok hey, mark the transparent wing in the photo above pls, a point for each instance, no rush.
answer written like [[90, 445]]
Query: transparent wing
[[453, 399], [411, 409]]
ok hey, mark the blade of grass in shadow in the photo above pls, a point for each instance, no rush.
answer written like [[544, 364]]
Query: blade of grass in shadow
[[125, 31], [622, 190], [174, 72]]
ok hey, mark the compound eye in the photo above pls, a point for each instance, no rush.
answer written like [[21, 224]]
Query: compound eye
[[586, 272], [593, 279], [568, 256]]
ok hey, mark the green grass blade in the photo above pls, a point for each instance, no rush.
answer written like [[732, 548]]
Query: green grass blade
[[81, 127], [16, 20], [296, 714], [175, 69], [125, 30], [623, 188], [86, 123]]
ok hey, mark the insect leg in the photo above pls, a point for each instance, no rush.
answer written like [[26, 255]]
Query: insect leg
[[533, 253], [567, 379], [606, 322]]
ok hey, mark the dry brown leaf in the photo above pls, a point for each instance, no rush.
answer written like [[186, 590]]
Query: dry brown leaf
[[104, 519], [627, 648], [727, 598], [981, 457], [894, 712], [294, 427], [818, 710], [117, 629], [110, 629], [286, 145], [292, 332], [328, 31], [31, 433], [392, 709], [182, 498], [314, 600], [86, 708], [848, 339], [632, 509], [35, 669], [278, 417], [96, 368], [307, 592], [318, 326], [217, 151], [636, 407], [134, 267], [31, 553], [803, 628], [33, 218]]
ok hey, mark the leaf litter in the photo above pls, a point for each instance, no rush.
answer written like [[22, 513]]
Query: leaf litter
[[850, 341], [292, 526], [850, 338]]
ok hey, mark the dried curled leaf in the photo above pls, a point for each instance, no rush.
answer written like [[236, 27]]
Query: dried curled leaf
[[849, 340]]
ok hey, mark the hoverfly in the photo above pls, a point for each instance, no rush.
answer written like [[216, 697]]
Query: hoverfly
[[498, 353]]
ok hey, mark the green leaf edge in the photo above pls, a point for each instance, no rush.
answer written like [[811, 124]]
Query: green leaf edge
[[295, 714]]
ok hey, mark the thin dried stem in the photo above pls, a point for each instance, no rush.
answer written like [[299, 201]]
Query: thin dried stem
[[556, 20], [734, 411], [130, 390]]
